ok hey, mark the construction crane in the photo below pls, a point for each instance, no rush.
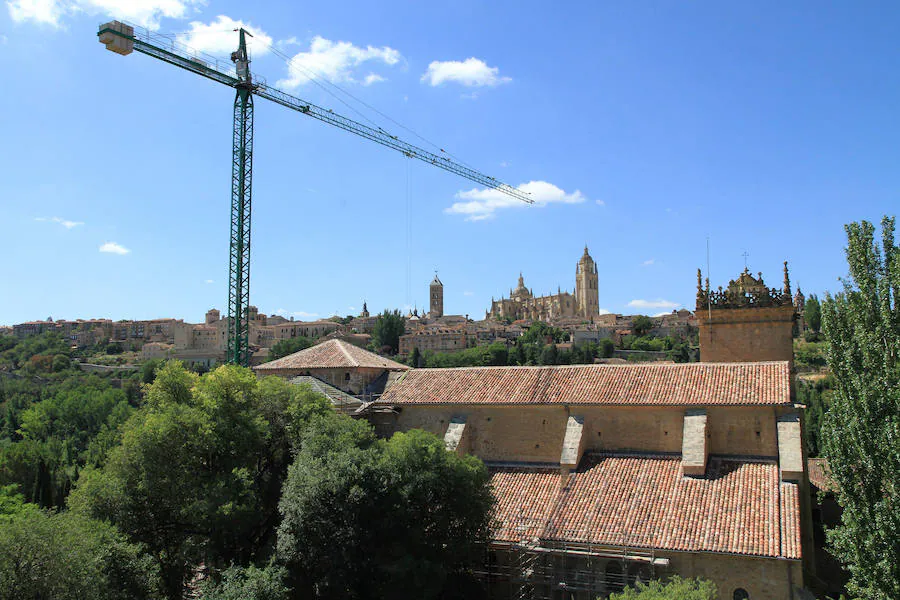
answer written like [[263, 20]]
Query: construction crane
[[123, 38]]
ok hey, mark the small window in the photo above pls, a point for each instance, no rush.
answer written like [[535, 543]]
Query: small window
[[741, 594], [347, 376]]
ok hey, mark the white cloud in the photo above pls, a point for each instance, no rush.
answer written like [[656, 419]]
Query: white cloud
[[373, 78], [472, 72], [142, 12], [209, 281], [600, 202], [603, 311], [504, 164], [3, 39], [472, 96], [47, 12], [65, 223], [114, 248], [659, 303], [335, 61], [481, 204], [219, 37], [648, 262], [296, 313], [467, 293]]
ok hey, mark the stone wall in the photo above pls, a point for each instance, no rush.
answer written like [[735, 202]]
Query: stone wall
[[746, 334], [350, 380], [762, 578], [535, 433], [590, 577]]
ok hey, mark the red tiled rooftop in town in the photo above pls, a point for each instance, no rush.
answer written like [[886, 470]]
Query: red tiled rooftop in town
[[333, 354], [642, 501], [691, 384]]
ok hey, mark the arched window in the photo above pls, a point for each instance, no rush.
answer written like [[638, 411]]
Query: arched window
[[741, 594], [615, 577]]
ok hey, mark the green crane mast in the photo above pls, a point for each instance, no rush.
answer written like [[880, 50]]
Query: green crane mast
[[123, 38]]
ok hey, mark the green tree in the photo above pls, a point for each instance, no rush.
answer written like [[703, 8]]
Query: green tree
[[149, 369], [251, 583], [389, 326], [861, 428], [59, 436], [198, 473], [550, 355], [606, 348], [812, 314], [289, 346], [641, 324], [415, 358], [66, 556], [61, 362], [427, 511], [675, 589]]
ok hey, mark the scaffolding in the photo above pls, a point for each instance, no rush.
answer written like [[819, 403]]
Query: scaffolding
[[540, 569]]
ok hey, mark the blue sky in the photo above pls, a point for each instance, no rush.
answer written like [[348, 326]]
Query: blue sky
[[642, 128]]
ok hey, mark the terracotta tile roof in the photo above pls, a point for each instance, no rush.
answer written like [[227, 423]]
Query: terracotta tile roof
[[692, 384], [524, 501], [333, 354], [820, 475], [644, 501]]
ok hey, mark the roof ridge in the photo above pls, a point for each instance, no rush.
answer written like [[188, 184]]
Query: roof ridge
[[649, 365], [346, 352]]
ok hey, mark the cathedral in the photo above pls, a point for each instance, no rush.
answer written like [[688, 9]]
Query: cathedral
[[522, 304]]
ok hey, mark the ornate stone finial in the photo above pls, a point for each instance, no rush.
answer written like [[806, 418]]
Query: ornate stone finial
[[787, 281], [699, 281]]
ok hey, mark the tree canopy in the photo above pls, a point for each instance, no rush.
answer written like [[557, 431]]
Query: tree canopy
[[389, 326], [862, 427], [812, 313], [641, 324], [364, 518], [675, 589], [288, 346], [65, 556], [197, 475]]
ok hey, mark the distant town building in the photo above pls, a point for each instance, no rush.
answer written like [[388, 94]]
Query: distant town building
[[523, 304], [440, 339], [338, 363], [436, 298]]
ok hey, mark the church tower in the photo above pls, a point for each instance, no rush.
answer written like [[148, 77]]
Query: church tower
[[587, 293], [436, 296], [747, 321]]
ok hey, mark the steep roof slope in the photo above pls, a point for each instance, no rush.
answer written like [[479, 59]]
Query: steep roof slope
[[643, 501], [333, 354]]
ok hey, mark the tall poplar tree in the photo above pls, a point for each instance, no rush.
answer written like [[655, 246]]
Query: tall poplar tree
[[861, 434]]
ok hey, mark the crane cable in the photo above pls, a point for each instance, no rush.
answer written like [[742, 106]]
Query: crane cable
[[315, 78], [408, 232]]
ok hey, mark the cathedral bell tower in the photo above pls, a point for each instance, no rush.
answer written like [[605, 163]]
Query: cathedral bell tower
[[436, 298], [587, 292]]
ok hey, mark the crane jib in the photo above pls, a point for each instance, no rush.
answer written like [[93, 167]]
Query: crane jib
[[123, 38], [164, 48]]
